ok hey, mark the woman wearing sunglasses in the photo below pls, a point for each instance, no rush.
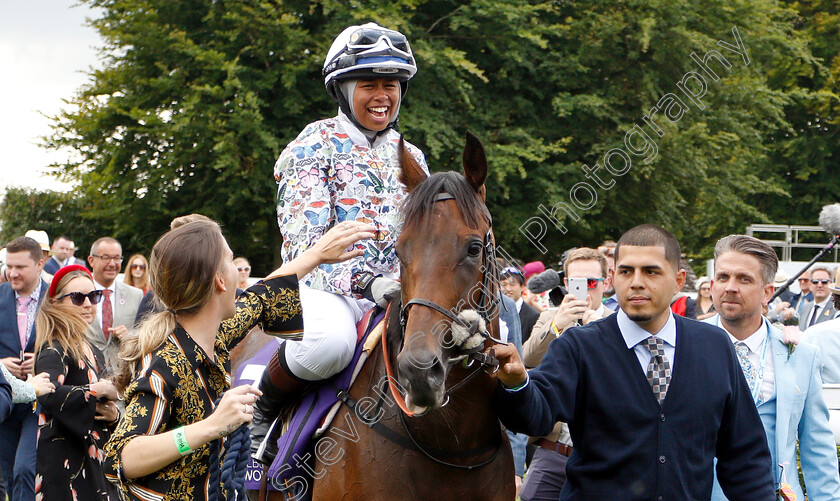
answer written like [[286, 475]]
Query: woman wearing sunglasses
[[342, 171], [137, 273], [77, 419]]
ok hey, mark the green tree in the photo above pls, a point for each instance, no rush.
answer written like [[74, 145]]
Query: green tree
[[804, 153], [56, 212], [197, 98]]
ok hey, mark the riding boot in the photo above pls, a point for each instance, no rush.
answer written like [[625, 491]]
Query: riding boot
[[279, 388]]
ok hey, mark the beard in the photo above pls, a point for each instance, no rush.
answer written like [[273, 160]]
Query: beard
[[639, 317]]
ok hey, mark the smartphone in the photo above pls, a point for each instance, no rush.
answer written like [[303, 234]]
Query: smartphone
[[577, 288]]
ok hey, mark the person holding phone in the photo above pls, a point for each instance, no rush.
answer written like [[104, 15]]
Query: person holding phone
[[586, 280]]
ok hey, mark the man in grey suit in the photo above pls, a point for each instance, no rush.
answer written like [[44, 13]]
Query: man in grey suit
[[119, 305], [822, 308]]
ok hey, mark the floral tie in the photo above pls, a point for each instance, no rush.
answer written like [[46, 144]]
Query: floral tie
[[743, 352]]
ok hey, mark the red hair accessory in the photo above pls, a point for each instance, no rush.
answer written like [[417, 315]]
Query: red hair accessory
[[63, 271]]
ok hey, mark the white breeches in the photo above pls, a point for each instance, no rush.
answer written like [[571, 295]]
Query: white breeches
[[329, 334]]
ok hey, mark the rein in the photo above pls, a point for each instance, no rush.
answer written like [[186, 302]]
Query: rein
[[486, 305]]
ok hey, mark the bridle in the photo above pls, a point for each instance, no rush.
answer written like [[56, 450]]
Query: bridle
[[487, 303]]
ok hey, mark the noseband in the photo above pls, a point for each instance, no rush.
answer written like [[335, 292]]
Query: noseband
[[487, 303]]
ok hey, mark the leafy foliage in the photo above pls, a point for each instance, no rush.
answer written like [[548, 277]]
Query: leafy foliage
[[197, 98], [55, 212]]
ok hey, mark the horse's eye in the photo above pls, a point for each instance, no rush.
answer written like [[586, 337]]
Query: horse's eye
[[474, 249]]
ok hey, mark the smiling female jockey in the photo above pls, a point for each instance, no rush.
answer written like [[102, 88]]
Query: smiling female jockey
[[341, 171]]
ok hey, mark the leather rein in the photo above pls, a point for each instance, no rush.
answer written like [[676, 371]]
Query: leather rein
[[487, 362]]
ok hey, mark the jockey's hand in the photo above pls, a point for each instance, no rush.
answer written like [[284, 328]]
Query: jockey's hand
[[381, 288]]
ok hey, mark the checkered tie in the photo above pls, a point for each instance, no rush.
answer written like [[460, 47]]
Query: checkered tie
[[659, 369]]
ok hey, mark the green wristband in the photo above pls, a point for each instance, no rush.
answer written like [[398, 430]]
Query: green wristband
[[181, 441]]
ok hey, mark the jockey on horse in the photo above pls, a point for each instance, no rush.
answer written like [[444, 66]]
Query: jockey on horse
[[340, 171]]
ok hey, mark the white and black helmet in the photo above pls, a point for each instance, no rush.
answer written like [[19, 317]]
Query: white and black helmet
[[368, 51]]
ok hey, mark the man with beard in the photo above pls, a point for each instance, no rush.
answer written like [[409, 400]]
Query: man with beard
[[639, 433], [19, 301], [785, 386]]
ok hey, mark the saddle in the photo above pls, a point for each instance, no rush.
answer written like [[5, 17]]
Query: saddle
[[309, 418]]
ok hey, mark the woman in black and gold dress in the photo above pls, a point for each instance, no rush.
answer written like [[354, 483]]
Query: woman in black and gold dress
[[180, 358], [76, 420]]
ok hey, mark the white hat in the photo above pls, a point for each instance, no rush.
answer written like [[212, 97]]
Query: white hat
[[781, 278], [41, 237]]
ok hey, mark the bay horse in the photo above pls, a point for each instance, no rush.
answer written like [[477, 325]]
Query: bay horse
[[436, 435]]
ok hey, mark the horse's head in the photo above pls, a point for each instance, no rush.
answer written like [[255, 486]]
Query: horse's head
[[446, 255]]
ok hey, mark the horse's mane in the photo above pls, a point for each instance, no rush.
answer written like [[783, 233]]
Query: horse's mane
[[418, 205], [394, 332]]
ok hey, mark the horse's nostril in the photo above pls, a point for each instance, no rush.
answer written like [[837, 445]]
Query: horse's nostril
[[437, 372]]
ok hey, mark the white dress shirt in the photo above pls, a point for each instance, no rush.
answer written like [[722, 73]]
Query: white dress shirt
[[99, 306], [634, 335], [756, 345]]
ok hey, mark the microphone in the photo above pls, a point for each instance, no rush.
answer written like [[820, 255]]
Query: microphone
[[830, 218], [830, 221], [545, 281]]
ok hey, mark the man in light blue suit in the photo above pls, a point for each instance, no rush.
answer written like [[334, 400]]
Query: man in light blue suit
[[786, 387]]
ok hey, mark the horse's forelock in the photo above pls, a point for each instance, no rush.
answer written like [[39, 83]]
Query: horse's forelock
[[419, 203]]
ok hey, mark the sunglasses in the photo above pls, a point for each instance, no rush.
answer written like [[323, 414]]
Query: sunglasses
[[803, 280], [512, 270], [591, 283], [821, 281], [247, 268], [138, 266], [78, 298]]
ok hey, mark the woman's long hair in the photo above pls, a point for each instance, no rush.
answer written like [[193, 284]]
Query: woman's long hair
[[141, 283], [62, 323], [182, 269]]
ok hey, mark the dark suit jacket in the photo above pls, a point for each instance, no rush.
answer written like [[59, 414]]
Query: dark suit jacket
[[9, 334], [10, 347], [528, 316], [627, 445], [52, 266], [6, 404]]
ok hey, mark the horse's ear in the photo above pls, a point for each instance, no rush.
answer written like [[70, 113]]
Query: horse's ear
[[475, 165], [411, 174]]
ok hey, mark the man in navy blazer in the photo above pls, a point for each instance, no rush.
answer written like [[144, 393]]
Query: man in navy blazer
[[786, 386], [18, 442], [650, 398]]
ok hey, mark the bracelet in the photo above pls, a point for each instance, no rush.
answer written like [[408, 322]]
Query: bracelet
[[555, 329], [181, 441]]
